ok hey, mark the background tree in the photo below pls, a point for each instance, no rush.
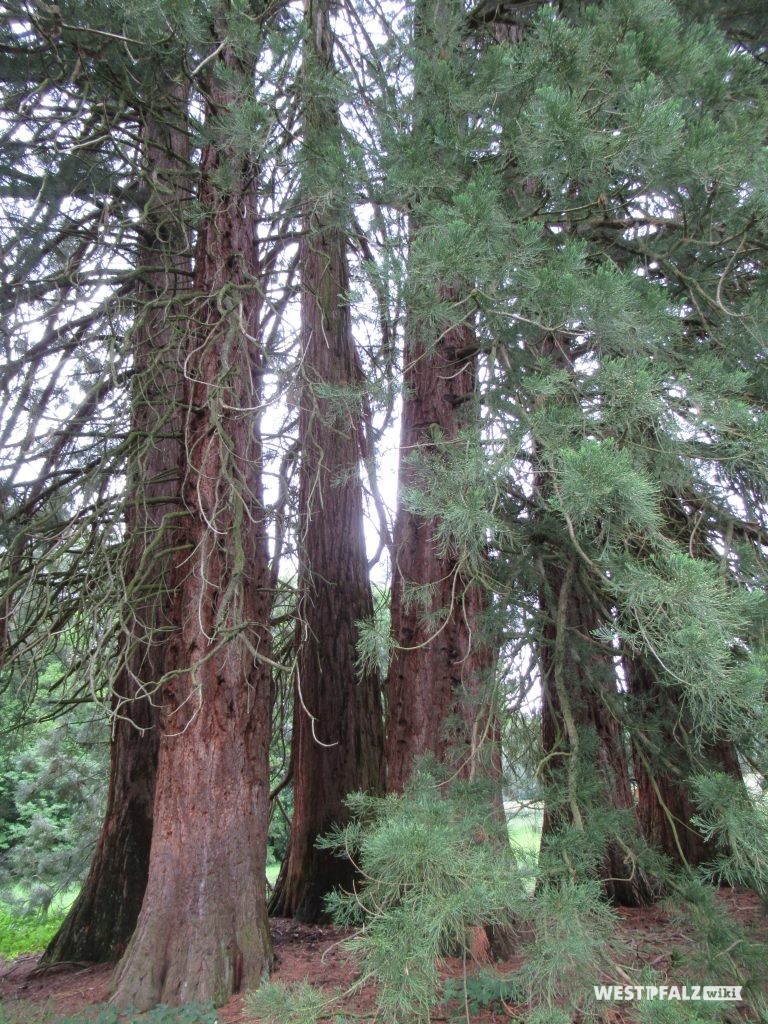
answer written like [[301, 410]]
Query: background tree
[[337, 739], [204, 905], [104, 915], [437, 603]]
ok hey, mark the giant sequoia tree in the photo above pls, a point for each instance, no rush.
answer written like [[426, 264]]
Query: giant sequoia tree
[[86, 257], [580, 302], [202, 932], [337, 722], [104, 915]]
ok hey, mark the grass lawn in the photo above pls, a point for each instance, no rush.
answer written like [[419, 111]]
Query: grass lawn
[[524, 828], [30, 932]]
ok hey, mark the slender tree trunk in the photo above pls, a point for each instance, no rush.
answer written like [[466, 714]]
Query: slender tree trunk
[[338, 718], [445, 713], [666, 755], [583, 738], [203, 933], [582, 735], [439, 686], [437, 701], [103, 917]]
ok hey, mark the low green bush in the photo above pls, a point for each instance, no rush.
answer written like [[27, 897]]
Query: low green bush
[[26, 932]]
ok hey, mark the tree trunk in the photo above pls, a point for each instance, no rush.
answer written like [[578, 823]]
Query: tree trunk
[[666, 750], [440, 677], [338, 725], [103, 917], [666, 755], [203, 933], [446, 714], [582, 735], [437, 701]]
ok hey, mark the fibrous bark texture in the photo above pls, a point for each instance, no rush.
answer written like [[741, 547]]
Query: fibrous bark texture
[[103, 917], [436, 700], [203, 933], [337, 726]]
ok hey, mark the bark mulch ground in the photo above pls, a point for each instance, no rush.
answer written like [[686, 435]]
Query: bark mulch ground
[[315, 954]]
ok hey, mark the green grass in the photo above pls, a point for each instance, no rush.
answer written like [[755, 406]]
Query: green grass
[[524, 830], [26, 933], [30, 931]]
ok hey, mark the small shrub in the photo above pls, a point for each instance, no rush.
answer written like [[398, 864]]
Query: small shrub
[[574, 944], [300, 1003], [480, 991], [436, 867]]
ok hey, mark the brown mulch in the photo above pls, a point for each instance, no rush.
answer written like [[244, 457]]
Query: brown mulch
[[314, 953]]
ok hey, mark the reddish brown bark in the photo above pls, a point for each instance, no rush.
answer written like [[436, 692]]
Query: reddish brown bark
[[202, 933], [582, 735], [337, 726], [103, 917], [436, 701], [666, 755]]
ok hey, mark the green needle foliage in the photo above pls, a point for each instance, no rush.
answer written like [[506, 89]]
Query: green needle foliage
[[574, 944], [432, 874], [739, 826], [718, 946], [299, 1003]]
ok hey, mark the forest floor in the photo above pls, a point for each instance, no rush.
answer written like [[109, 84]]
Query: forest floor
[[653, 937]]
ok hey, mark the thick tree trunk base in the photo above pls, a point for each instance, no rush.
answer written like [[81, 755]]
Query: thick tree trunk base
[[301, 888], [582, 733], [203, 964], [665, 804], [203, 932]]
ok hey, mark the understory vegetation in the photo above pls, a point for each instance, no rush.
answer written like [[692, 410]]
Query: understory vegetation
[[384, 504]]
